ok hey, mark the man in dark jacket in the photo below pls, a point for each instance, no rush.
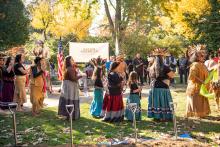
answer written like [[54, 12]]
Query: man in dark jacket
[[129, 63], [183, 65], [139, 67]]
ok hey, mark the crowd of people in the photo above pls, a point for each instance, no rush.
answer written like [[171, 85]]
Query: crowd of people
[[112, 78]]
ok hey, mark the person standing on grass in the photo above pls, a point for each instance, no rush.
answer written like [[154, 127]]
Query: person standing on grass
[[37, 79], [96, 106], [20, 80], [160, 96], [196, 104], [134, 97], [182, 63], [1, 76], [171, 62], [113, 107], [8, 80], [69, 89], [130, 66], [139, 68], [150, 63], [108, 64]]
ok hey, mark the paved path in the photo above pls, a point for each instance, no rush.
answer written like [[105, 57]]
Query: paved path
[[53, 99]]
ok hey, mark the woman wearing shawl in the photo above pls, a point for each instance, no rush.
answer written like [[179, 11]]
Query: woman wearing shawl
[[37, 83], [159, 96], [69, 89], [197, 105], [213, 79]]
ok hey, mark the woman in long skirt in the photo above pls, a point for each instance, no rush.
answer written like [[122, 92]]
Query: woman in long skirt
[[20, 80], [37, 85], [114, 108], [196, 104], [8, 80], [160, 97], [69, 90], [96, 106], [134, 97]]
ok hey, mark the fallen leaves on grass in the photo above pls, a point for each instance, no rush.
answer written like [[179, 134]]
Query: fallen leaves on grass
[[88, 132], [66, 130], [39, 141]]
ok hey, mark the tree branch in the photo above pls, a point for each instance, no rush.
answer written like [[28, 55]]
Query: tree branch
[[112, 27], [112, 4]]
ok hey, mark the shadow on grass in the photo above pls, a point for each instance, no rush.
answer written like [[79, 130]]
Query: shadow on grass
[[88, 130]]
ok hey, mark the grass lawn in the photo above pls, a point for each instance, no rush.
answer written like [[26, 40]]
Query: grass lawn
[[49, 129]]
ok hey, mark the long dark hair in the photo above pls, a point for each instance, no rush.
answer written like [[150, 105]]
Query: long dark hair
[[37, 60], [113, 66], [8, 60], [67, 62], [18, 58], [97, 74]]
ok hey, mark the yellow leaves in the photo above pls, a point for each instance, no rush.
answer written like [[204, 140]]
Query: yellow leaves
[[63, 18], [41, 15], [67, 21], [179, 9]]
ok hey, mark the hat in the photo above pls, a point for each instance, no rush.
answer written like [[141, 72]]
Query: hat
[[160, 52], [120, 58], [196, 49]]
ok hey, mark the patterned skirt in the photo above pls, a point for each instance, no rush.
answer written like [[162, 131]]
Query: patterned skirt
[[69, 96], [113, 108], [133, 98], [159, 104], [96, 105]]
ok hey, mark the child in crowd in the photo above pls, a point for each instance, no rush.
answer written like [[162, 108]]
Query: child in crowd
[[134, 97], [96, 106]]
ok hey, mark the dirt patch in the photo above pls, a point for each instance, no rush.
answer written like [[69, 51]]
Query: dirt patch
[[149, 143], [172, 143]]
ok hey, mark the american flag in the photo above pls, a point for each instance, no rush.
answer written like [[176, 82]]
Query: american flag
[[60, 60]]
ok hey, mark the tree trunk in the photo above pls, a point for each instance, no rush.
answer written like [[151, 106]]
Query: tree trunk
[[111, 23], [44, 34], [118, 27]]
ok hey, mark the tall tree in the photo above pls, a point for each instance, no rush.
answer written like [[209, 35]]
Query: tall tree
[[130, 16], [13, 23], [62, 17], [208, 26], [42, 16], [183, 12]]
